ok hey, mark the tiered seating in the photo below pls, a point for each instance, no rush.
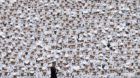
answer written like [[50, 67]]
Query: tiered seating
[[85, 37]]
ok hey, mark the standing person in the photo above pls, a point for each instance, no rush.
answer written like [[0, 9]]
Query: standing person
[[53, 70]]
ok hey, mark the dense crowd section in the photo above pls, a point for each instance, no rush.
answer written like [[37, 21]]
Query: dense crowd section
[[84, 37]]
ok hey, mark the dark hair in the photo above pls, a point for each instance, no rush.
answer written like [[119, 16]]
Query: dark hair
[[53, 63]]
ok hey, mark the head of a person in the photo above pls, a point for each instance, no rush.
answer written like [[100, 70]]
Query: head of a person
[[54, 64]]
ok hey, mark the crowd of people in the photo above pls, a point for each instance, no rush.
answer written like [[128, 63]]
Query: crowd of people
[[84, 37]]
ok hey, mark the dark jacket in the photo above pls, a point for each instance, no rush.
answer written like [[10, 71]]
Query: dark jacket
[[53, 72]]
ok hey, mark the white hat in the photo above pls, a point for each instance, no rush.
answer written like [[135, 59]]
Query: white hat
[[54, 60], [95, 31], [86, 11], [87, 58], [77, 68], [4, 66], [109, 36], [56, 56], [104, 42], [12, 60], [3, 54], [101, 55], [32, 71], [106, 48], [125, 35], [58, 26], [120, 12], [43, 68], [12, 1], [116, 51], [41, 58], [84, 62], [66, 55], [80, 55], [39, 43], [114, 11], [26, 61], [121, 43], [48, 56], [14, 73], [60, 41], [50, 65], [138, 58], [110, 7], [2, 34], [113, 44], [58, 68], [67, 66], [23, 68]]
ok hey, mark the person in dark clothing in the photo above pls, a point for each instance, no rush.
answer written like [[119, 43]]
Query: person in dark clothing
[[53, 70], [109, 46]]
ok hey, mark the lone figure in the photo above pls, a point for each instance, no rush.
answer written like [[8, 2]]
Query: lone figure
[[53, 70]]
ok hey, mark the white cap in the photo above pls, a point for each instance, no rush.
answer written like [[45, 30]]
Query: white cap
[[118, 35], [31, 71], [95, 31], [23, 68], [14, 73], [106, 67], [48, 56], [27, 61], [2, 34], [58, 26], [12, 60], [58, 68], [121, 43], [67, 66], [60, 40], [101, 55], [87, 58], [56, 56], [116, 51], [3, 54], [138, 58], [4, 66], [77, 68], [43, 68], [97, 10], [125, 35], [66, 55], [85, 11], [41, 58], [110, 7], [106, 28], [113, 44], [104, 42], [106, 48], [84, 62], [54, 60], [49, 65], [39, 43], [80, 55]]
